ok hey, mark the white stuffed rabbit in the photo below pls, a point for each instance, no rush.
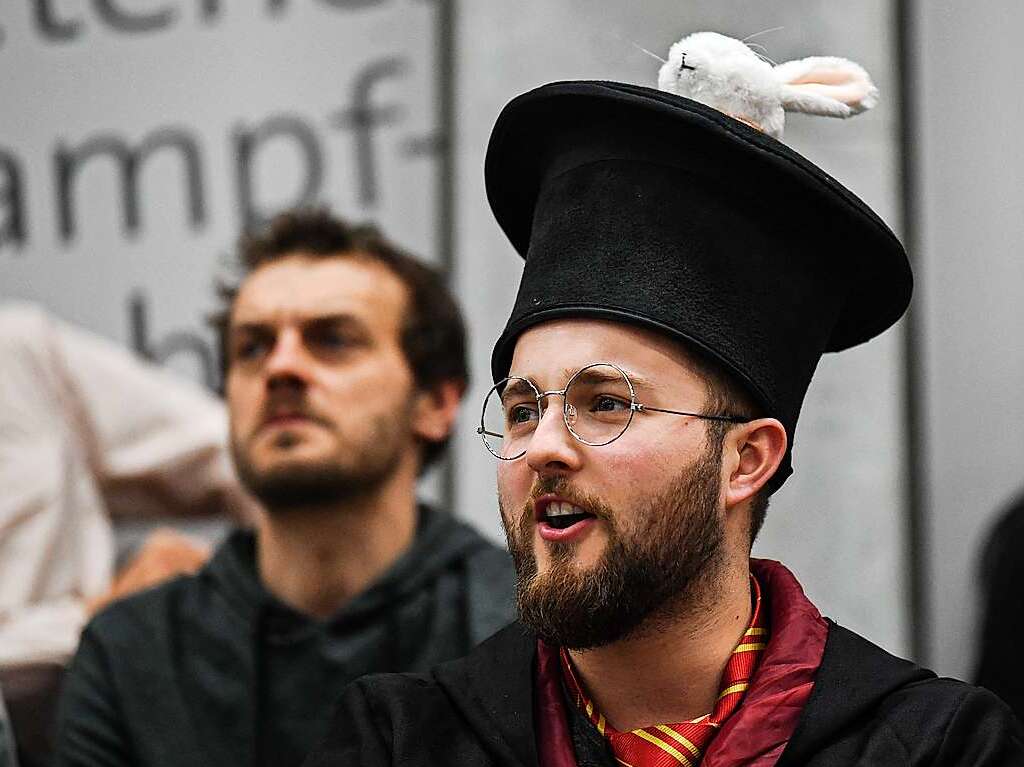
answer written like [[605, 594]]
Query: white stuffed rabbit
[[726, 74]]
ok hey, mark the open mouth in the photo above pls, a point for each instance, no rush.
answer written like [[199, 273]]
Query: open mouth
[[562, 515]]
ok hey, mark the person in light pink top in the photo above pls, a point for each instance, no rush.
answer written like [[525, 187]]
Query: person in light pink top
[[90, 434]]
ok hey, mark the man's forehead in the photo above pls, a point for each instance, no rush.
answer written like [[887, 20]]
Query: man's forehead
[[303, 288], [565, 345]]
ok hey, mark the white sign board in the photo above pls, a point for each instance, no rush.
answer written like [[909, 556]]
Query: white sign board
[[138, 137]]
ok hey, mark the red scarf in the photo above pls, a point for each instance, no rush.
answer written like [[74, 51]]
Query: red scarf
[[683, 743], [754, 733]]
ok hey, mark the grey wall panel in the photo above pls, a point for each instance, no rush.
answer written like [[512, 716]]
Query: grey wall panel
[[972, 296]]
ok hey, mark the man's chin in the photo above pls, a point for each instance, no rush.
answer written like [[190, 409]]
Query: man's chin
[[295, 462], [298, 480], [277, 444], [579, 557]]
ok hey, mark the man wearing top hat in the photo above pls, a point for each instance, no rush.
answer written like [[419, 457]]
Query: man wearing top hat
[[648, 384]]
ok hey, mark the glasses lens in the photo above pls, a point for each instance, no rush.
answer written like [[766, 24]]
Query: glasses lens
[[509, 417], [598, 404]]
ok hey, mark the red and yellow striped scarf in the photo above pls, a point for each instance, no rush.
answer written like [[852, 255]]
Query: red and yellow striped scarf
[[665, 745]]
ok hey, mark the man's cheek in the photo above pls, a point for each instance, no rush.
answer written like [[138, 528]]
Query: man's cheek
[[628, 463], [507, 488], [243, 413], [505, 508], [509, 511], [239, 429]]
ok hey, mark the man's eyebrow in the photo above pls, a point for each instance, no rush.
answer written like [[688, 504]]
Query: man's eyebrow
[[607, 374], [268, 325], [517, 387], [333, 319], [640, 382], [254, 327]]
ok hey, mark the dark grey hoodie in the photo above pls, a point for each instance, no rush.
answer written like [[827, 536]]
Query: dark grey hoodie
[[213, 670]]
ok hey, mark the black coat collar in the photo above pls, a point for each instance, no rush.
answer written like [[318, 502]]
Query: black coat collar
[[854, 676], [492, 688]]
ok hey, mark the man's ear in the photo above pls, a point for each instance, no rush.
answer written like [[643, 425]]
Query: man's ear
[[435, 409], [756, 449]]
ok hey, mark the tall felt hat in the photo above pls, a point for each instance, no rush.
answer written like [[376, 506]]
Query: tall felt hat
[[645, 207]]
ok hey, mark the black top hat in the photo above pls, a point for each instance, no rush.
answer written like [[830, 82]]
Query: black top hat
[[637, 205]]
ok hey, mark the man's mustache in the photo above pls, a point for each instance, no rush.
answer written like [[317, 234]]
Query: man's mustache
[[563, 488], [291, 408]]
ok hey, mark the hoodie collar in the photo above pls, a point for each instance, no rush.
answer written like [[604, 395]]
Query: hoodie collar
[[233, 573]]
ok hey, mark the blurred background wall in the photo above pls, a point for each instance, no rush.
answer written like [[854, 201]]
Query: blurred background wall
[[967, 201], [136, 139]]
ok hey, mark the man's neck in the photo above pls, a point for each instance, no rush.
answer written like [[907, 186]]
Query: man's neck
[[316, 560], [670, 675]]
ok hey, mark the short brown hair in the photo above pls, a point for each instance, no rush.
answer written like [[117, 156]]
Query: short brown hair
[[433, 335]]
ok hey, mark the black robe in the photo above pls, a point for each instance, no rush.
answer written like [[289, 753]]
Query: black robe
[[867, 708], [1002, 571], [211, 670]]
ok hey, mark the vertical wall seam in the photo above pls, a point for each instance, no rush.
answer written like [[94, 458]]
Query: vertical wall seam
[[446, 180], [916, 530]]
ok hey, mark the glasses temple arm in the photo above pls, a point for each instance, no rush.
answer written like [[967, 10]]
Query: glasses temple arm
[[726, 418]]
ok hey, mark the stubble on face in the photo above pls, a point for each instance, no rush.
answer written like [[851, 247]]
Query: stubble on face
[[343, 377], [352, 472], [659, 571]]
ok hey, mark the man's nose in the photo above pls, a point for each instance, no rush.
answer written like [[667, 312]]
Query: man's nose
[[289, 360], [552, 449]]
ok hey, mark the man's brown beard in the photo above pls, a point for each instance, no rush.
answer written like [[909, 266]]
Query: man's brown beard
[[641, 582], [329, 481]]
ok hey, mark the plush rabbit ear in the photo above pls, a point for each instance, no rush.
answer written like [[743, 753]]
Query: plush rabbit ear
[[825, 85]]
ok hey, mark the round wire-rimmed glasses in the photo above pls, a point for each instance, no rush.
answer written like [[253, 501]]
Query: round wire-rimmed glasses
[[598, 405]]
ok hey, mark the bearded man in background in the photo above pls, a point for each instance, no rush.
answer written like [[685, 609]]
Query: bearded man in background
[[345, 365]]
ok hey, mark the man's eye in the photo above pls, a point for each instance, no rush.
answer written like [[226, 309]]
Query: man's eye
[[251, 349], [332, 340], [335, 340], [606, 404], [522, 414]]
